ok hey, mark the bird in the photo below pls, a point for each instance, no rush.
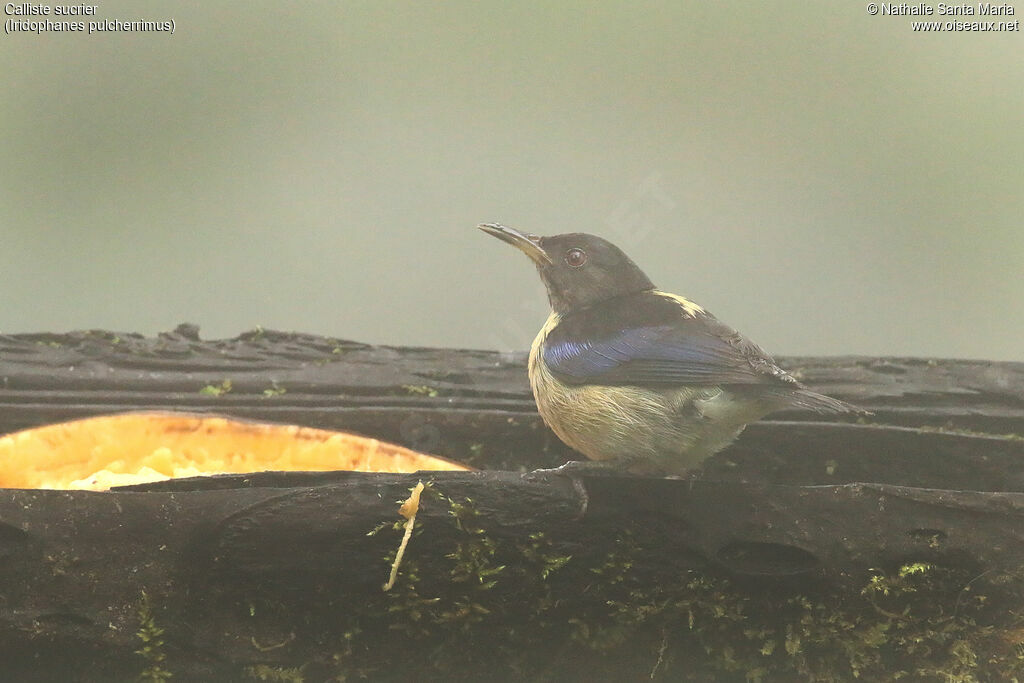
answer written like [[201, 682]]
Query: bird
[[637, 379]]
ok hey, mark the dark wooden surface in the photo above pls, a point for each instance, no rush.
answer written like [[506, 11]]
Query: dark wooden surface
[[438, 400], [261, 569]]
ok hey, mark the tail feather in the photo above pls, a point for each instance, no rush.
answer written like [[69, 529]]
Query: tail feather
[[820, 403]]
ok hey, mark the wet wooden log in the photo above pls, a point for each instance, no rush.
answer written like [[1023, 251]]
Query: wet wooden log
[[274, 574], [436, 400], [275, 570]]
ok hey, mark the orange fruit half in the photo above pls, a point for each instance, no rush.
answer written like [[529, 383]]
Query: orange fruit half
[[116, 450]]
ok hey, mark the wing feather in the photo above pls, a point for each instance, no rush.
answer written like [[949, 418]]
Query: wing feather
[[649, 338]]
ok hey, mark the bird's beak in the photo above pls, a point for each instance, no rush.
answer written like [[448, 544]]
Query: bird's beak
[[525, 242]]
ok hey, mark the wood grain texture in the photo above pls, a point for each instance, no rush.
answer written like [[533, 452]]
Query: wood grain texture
[[277, 569]]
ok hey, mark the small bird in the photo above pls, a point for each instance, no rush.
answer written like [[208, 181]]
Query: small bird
[[639, 379]]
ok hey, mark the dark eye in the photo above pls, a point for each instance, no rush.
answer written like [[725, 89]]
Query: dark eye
[[575, 257]]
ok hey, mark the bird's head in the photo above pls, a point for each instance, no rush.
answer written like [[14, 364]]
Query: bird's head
[[578, 269]]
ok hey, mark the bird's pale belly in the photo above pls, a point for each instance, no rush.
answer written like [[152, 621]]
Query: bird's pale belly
[[662, 431]]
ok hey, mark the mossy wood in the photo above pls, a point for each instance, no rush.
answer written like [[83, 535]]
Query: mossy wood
[[273, 576]]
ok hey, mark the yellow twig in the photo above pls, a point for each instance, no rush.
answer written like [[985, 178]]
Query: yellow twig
[[408, 510]]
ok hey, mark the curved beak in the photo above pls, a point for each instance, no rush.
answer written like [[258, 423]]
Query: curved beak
[[525, 242]]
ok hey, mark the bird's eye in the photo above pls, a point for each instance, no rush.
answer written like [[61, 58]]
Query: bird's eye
[[575, 257]]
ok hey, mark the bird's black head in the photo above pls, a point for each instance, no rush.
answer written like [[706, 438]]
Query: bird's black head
[[578, 269]]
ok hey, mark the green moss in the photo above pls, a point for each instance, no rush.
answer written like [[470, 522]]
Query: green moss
[[538, 551], [474, 597], [918, 621], [474, 554], [152, 650], [419, 613], [217, 390], [274, 390], [420, 390], [337, 350], [111, 337], [910, 623]]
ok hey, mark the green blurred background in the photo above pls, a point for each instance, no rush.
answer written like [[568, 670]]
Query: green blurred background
[[826, 181]]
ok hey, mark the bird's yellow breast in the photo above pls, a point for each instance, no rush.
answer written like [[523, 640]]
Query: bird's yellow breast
[[538, 342]]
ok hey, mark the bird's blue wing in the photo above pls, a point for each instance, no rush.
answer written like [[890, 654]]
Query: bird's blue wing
[[653, 341]]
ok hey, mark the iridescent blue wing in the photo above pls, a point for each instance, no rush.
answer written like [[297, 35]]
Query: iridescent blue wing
[[650, 339]]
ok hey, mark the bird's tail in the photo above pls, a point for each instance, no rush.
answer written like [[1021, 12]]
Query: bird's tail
[[820, 403]]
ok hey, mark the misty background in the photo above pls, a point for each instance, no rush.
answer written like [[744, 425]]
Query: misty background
[[826, 181]]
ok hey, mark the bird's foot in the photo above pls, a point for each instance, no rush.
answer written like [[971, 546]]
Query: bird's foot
[[572, 469]]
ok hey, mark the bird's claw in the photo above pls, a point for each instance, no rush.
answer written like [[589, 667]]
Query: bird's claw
[[572, 470]]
